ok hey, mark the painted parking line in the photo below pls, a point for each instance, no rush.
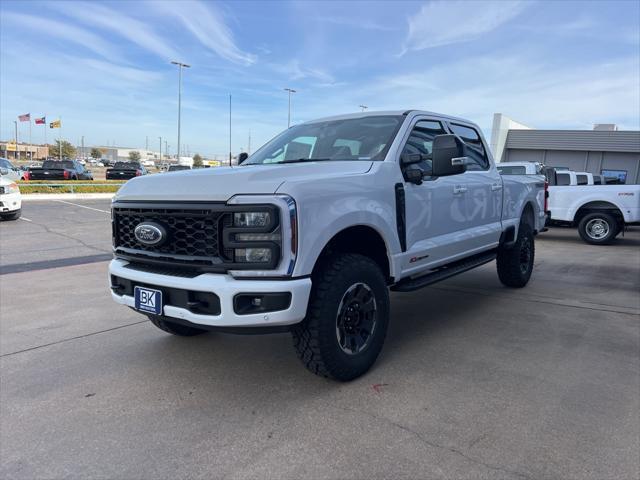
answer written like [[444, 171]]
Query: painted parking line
[[26, 219], [82, 206]]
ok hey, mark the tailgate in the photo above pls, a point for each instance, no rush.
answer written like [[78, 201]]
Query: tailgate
[[48, 174]]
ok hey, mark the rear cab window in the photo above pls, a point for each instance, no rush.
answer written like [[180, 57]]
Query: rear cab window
[[563, 178], [582, 180], [476, 151], [512, 170]]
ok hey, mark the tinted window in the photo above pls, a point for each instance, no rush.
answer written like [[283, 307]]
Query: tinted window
[[126, 166], [597, 179], [421, 141], [512, 170], [563, 178], [476, 152], [363, 138], [582, 180], [51, 164]]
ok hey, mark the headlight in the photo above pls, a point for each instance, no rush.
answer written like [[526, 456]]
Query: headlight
[[253, 255], [12, 188], [251, 219]]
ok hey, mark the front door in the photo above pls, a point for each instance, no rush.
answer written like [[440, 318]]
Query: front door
[[436, 210]]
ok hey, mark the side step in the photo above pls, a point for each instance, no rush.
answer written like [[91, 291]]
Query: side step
[[444, 272]]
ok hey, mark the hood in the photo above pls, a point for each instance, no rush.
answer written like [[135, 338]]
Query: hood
[[222, 183]]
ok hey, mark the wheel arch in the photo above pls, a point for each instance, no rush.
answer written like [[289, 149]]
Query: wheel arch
[[361, 239], [598, 205]]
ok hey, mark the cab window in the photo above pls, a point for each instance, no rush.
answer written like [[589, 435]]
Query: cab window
[[476, 152], [421, 141]]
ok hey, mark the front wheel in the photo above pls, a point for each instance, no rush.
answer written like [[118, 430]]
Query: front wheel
[[347, 318], [598, 228], [515, 262], [12, 216]]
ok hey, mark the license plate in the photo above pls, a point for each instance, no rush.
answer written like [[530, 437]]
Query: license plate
[[148, 300]]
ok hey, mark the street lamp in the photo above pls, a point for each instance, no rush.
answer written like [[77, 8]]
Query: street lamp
[[363, 107], [290, 90], [160, 138], [180, 66]]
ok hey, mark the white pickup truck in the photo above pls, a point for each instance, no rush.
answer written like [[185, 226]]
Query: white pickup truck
[[599, 211], [309, 234]]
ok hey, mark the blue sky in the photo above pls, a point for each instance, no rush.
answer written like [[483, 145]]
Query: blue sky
[[104, 66]]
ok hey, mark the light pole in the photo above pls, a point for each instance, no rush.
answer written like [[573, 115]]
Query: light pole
[[160, 139], [180, 66], [363, 107], [290, 90], [15, 123]]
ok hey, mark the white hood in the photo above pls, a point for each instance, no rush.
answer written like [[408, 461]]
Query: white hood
[[222, 183]]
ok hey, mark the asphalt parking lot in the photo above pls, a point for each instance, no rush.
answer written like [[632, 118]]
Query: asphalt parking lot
[[475, 380]]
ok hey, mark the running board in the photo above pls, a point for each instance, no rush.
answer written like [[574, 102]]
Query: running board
[[444, 272]]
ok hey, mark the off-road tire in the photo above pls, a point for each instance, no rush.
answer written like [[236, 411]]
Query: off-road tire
[[316, 339], [515, 262], [12, 216], [175, 328], [609, 221]]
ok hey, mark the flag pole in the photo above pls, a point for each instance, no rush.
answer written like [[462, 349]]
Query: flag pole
[[45, 133], [60, 136]]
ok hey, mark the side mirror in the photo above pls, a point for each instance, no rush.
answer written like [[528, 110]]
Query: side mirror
[[412, 158], [4, 171], [242, 157], [448, 155], [413, 174]]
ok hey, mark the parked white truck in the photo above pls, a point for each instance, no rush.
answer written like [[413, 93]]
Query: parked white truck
[[599, 211], [309, 234]]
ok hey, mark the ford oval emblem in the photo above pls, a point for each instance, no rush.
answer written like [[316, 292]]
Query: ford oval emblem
[[149, 233]]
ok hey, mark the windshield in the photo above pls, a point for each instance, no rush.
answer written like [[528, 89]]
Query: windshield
[[364, 138]]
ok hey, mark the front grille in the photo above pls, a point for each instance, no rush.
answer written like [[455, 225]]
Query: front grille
[[193, 234]]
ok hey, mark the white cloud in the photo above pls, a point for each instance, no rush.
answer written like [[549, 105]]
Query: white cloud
[[294, 71], [51, 28], [208, 26], [359, 23], [442, 23], [134, 30]]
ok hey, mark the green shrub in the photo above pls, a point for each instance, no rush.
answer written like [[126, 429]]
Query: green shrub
[[27, 189]]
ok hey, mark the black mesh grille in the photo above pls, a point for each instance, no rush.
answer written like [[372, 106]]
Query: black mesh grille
[[191, 233]]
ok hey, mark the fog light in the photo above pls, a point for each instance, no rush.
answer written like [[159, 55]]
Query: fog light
[[253, 255], [248, 303]]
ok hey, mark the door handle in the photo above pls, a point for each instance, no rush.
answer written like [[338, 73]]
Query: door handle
[[458, 189], [496, 186]]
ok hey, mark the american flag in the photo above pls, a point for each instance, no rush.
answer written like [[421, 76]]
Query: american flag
[[25, 118]]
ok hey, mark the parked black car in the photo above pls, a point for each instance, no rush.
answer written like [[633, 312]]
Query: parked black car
[[125, 171], [177, 168], [59, 170]]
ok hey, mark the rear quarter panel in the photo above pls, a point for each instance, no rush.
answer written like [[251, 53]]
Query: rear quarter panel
[[518, 191]]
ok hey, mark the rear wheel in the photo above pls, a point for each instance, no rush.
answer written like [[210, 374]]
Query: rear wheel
[[515, 262], [599, 228], [347, 318], [175, 328]]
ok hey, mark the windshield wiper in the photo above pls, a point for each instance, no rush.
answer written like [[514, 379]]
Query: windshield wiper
[[300, 160]]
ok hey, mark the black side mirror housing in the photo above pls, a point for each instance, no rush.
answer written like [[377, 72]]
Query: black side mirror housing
[[242, 157], [448, 156], [412, 158], [413, 174]]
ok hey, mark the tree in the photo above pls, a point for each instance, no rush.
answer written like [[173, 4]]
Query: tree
[[197, 160], [68, 150], [134, 156], [96, 153]]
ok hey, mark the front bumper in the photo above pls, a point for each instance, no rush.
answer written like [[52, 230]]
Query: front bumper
[[10, 202], [226, 288]]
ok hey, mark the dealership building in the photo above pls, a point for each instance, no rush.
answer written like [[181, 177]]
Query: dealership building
[[604, 150]]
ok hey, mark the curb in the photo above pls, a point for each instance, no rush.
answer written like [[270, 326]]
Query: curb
[[65, 196]]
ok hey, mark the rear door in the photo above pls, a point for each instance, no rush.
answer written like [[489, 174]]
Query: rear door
[[484, 194]]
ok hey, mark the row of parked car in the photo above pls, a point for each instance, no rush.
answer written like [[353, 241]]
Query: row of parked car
[[599, 207]]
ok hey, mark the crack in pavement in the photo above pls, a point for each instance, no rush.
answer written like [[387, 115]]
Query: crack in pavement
[[432, 444], [72, 338], [68, 237]]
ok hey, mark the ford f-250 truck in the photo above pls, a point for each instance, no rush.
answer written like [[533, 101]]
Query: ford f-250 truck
[[310, 233]]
